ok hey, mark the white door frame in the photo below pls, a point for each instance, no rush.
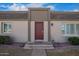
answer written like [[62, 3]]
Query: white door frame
[[33, 32]]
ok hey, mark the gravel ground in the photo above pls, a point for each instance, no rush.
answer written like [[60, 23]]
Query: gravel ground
[[63, 49], [15, 49], [63, 52], [14, 45], [15, 52]]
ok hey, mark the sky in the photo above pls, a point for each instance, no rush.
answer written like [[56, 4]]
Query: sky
[[72, 7]]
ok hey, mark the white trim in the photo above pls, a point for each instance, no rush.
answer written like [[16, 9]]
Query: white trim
[[75, 33], [38, 40], [32, 31], [69, 28], [70, 35], [65, 29], [75, 29], [3, 27], [45, 32]]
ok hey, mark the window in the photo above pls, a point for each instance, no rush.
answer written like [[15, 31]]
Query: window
[[77, 28], [72, 29], [63, 28], [6, 27], [69, 28]]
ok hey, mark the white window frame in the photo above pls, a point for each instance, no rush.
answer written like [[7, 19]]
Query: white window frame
[[76, 29], [3, 30], [75, 32]]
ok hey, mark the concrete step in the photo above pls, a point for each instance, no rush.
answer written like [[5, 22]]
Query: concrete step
[[38, 46]]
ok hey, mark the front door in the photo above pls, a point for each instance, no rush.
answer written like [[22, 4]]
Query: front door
[[39, 31]]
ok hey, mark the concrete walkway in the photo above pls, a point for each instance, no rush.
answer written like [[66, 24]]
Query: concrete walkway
[[38, 52], [38, 49]]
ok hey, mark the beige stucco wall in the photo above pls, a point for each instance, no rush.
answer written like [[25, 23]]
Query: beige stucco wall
[[19, 30], [56, 33]]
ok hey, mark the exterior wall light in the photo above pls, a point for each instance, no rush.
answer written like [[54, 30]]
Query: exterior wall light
[[51, 24]]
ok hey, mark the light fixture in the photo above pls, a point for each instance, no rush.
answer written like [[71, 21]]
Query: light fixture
[[51, 24]]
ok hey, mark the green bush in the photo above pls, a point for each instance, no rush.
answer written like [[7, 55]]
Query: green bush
[[5, 40], [74, 40]]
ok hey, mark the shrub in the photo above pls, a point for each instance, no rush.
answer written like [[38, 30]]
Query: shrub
[[74, 40], [5, 40]]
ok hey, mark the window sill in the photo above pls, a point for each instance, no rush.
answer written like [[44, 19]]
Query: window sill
[[71, 35], [6, 32]]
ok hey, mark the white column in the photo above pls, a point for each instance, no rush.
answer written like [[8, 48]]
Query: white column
[[46, 31], [32, 31]]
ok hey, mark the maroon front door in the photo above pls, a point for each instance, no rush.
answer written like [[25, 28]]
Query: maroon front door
[[39, 31]]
